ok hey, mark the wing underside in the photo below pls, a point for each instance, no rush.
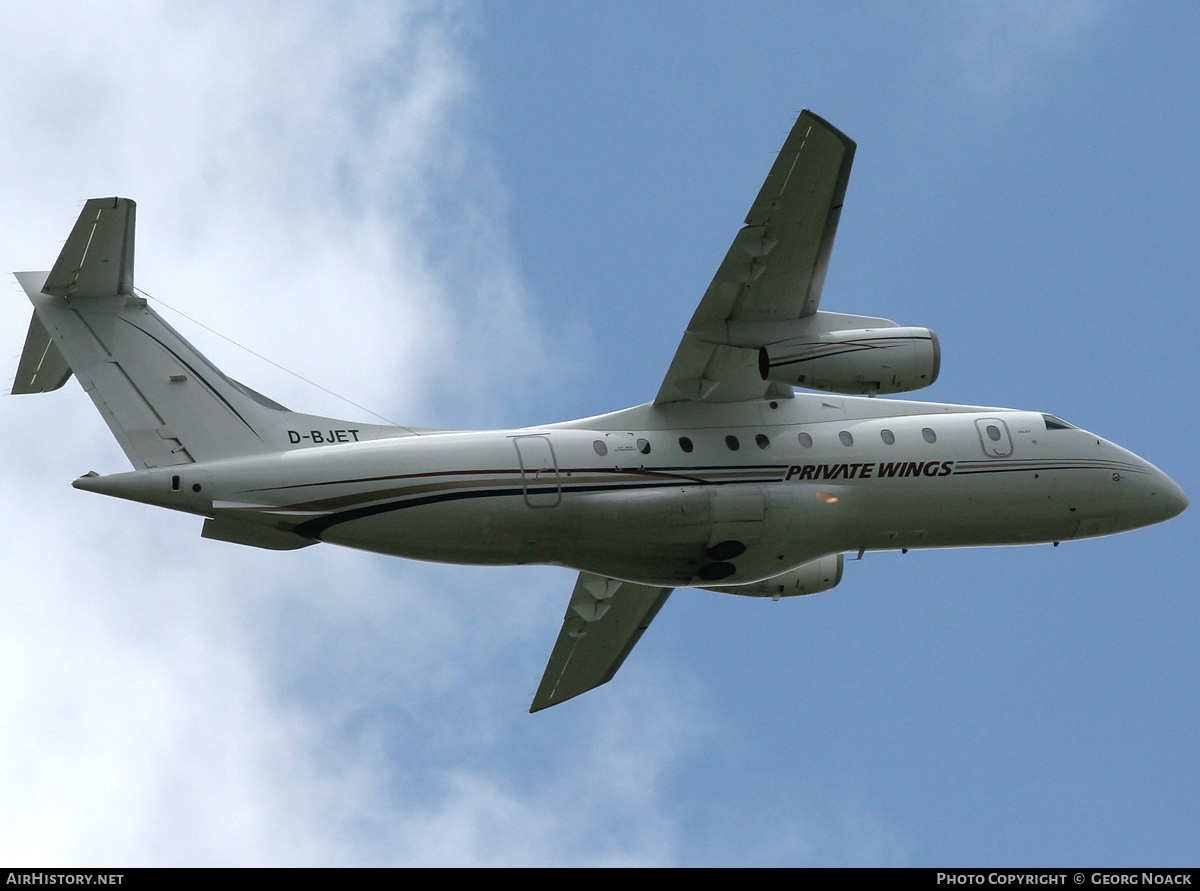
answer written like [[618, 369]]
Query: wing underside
[[772, 277], [767, 288], [604, 620]]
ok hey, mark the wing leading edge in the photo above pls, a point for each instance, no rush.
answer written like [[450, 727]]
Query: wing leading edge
[[771, 278], [604, 620]]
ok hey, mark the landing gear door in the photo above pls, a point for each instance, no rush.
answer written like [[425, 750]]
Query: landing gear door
[[539, 471], [994, 437]]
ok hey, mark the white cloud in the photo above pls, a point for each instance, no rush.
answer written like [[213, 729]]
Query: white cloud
[[307, 178], [998, 48], [309, 181]]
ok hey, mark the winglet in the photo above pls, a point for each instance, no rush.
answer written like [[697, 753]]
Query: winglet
[[97, 260]]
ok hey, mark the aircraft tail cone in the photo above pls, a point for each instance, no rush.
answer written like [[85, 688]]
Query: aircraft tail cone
[[135, 486], [87, 481]]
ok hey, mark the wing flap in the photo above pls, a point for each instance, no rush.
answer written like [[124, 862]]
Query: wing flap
[[604, 620]]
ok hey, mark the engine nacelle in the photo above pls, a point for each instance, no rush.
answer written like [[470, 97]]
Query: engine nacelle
[[861, 362], [807, 578]]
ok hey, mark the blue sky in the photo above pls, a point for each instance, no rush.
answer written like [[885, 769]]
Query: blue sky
[[505, 214]]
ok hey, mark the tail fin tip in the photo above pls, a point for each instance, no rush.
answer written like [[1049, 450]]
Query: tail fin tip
[[97, 259]]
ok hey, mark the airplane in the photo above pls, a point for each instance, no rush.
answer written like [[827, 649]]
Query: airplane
[[729, 480]]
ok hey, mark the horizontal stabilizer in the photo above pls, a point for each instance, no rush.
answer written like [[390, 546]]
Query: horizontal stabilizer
[[97, 260], [42, 367], [605, 619]]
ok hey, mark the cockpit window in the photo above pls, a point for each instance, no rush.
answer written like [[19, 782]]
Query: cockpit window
[[1055, 423]]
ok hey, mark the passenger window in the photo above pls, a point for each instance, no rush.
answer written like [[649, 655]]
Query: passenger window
[[600, 447], [732, 442], [929, 435], [643, 446], [762, 441], [887, 436], [806, 440], [993, 432], [846, 438], [685, 443]]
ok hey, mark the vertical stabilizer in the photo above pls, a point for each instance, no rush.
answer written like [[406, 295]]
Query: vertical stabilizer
[[165, 402]]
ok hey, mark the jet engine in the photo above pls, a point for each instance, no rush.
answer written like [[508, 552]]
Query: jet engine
[[859, 362], [807, 578]]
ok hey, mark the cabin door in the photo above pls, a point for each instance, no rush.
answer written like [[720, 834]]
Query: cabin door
[[994, 437], [539, 471]]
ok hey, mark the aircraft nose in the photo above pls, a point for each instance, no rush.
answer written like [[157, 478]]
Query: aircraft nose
[[1160, 497], [1175, 500], [1151, 497]]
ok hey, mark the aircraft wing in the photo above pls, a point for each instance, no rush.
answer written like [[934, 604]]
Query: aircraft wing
[[604, 620], [773, 273]]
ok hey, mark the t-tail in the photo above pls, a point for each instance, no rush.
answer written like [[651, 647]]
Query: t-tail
[[165, 403]]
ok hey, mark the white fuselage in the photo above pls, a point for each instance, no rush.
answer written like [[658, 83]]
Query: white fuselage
[[687, 494]]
